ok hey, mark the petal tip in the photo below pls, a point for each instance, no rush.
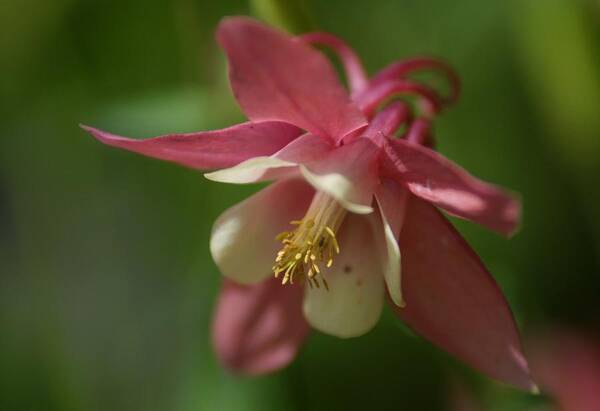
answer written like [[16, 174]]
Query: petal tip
[[397, 300], [515, 216], [91, 130], [102, 136], [358, 208], [228, 21], [212, 176]]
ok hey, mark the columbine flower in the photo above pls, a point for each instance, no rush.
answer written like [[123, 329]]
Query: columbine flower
[[349, 199]]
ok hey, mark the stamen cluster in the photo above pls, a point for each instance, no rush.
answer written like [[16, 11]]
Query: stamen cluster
[[312, 245]]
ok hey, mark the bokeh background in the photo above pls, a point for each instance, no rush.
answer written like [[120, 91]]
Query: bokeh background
[[106, 282]]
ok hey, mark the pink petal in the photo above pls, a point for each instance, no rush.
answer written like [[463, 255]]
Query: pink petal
[[283, 164], [432, 177], [348, 174], [567, 366], [384, 124], [305, 149], [387, 121], [276, 77], [243, 241], [453, 301], [392, 199], [355, 73], [208, 149], [260, 328]]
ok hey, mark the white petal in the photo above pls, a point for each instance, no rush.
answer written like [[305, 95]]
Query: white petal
[[392, 206], [337, 186], [248, 171], [353, 304], [243, 241], [347, 173]]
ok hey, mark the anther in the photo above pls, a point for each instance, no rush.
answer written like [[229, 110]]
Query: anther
[[304, 249]]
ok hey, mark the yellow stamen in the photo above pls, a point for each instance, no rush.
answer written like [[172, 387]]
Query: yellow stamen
[[304, 249]]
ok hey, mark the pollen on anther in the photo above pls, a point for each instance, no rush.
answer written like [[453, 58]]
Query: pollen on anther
[[311, 245]]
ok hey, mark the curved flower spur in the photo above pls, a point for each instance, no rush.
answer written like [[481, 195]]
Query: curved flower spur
[[352, 206]]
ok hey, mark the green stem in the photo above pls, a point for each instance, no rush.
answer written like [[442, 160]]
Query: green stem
[[289, 15]]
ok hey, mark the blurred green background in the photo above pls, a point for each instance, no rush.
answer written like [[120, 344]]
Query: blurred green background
[[106, 282]]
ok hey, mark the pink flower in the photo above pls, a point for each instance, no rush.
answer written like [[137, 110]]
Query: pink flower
[[352, 207]]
